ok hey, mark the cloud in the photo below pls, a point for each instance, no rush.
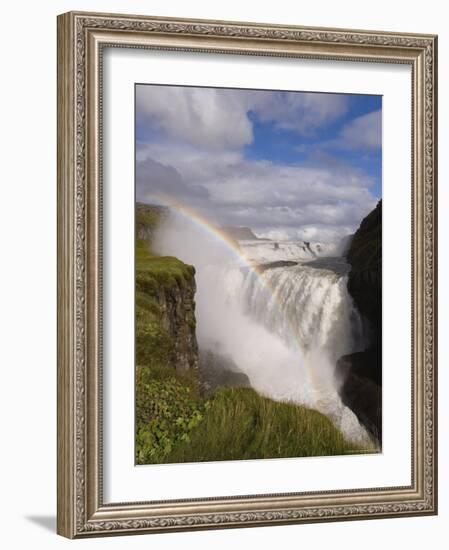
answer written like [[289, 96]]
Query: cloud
[[231, 190], [364, 132], [195, 153], [303, 112], [154, 178], [216, 118], [204, 117]]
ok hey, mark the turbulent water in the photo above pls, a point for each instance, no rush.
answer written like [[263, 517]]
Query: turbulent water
[[271, 251], [284, 328]]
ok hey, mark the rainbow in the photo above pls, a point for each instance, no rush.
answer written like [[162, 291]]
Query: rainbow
[[231, 246], [215, 232]]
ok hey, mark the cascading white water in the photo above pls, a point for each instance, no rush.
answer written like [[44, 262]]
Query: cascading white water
[[307, 307], [285, 329], [261, 251]]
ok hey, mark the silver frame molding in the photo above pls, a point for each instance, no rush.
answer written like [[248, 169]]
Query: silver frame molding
[[81, 38]]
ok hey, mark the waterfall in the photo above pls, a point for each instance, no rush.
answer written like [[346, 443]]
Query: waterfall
[[285, 331], [285, 328], [309, 308]]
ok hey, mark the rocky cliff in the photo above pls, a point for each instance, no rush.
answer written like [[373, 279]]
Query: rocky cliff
[[165, 301], [362, 372], [165, 315], [365, 278]]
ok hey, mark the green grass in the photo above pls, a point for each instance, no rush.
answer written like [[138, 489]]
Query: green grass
[[154, 272], [240, 424]]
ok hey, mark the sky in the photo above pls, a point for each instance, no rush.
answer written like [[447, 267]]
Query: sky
[[289, 165]]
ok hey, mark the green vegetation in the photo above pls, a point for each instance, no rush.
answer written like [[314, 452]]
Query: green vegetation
[[168, 408], [155, 274], [153, 271], [175, 424], [241, 424], [168, 405]]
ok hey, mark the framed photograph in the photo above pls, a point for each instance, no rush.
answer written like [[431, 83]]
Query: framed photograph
[[246, 274]]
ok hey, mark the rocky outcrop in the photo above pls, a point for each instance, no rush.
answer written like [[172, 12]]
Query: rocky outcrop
[[365, 278], [272, 265], [165, 301], [165, 314], [148, 217], [360, 393], [177, 314], [362, 372], [217, 371]]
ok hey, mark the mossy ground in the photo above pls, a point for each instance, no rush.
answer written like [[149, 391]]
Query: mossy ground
[[154, 271]]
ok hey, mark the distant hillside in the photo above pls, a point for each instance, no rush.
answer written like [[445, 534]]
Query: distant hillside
[[148, 217], [241, 233]]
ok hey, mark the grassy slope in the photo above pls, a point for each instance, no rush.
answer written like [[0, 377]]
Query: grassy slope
[[240, 424], [175, 424]]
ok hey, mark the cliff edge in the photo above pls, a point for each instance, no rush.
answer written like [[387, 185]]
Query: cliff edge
[[362, 372]]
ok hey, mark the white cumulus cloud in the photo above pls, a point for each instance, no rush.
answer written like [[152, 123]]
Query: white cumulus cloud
[[364, 132], [195, 154]]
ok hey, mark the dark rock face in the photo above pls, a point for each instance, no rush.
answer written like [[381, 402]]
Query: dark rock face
[[217, 371], [360, 392], [365, 278], [165, 318], [362, 372], [272, 265], [177, 315]]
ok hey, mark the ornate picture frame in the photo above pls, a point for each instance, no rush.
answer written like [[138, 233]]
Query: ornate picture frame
[[82, 39]]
